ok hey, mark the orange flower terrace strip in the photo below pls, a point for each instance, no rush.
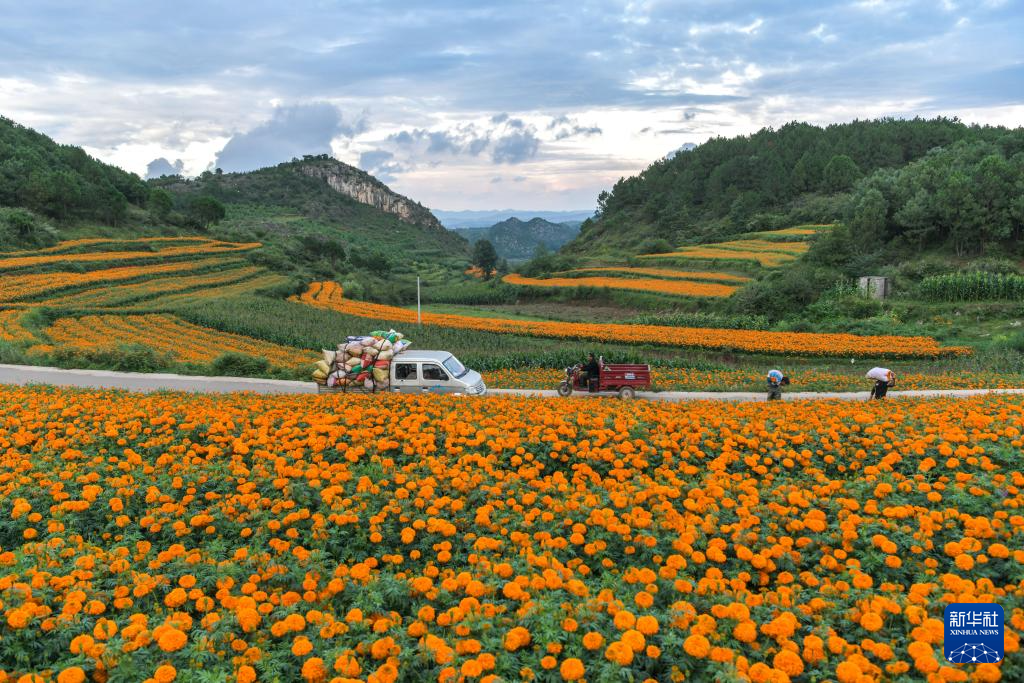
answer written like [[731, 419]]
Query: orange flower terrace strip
[[329, 295], [97, 241], [765, 258], [663, 273], [210, 247], [248, 286], [674, 287], [111, 297], [33, 284], [184, 341], [337, 538], [11, 328]]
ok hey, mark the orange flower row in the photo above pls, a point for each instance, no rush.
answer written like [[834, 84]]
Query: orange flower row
[[119, 296], [765, 258], [96, 241], [329, 295], [11, 328], [674, 287], [317, 538], [664, 273], [790, 248], [33, 284], [207, 247], [183, 341], [224, 291]]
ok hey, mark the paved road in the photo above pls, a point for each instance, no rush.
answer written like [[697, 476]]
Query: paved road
[[133, 381]]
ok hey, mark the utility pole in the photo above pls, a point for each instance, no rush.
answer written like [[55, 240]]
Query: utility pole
[[419, 314]]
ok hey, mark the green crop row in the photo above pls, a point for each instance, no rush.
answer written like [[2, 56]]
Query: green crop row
[[972, 286]]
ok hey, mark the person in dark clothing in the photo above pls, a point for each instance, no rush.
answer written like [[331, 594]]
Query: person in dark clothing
[[776, 380], [885, 379], [590, 372]]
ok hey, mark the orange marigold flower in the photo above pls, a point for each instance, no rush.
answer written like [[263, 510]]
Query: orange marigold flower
[[517, 638], [620, 653], [871, 621], [72, 674], [165, 674], [647, 625], [697, 646], [313, 670], [848, 672], [571, 669], [18, 618], [172, 640], [301, 646], [788, 661], [593, 640]]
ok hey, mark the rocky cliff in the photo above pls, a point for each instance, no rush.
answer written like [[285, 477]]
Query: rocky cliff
[[364, 188]]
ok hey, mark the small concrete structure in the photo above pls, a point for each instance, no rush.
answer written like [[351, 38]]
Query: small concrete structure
[[874, 286]]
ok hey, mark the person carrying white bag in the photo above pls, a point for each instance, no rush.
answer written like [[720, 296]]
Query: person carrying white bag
[[884, 378]]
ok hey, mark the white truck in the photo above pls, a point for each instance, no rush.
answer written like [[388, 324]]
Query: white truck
[[422, 372]]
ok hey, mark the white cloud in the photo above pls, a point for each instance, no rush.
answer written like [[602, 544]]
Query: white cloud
[[726, 27], [821, 33]]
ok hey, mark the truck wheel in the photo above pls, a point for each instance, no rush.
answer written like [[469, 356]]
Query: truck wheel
[[564, 389], [627, 393]]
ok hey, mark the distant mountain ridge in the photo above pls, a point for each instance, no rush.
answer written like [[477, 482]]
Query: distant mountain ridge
[[517, 240], [454, 220]]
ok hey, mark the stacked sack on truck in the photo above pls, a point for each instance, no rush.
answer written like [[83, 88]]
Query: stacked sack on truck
[[361, 361]]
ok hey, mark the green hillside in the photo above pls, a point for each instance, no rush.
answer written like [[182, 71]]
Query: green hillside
[[799, 173], [316, 217], [313, 231]]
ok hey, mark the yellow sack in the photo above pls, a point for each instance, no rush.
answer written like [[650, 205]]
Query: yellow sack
[[323, 367]]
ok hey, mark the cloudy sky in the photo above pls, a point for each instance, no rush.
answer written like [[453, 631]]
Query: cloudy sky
[[463, 104]]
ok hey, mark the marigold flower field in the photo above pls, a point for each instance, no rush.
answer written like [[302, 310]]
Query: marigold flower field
[[185, 537], [11, 328], [203, 247], [330, 295], [663, 273], [674, 287], [184, 341], [123, 274]]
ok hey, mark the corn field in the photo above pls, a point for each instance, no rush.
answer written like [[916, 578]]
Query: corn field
[[973, 286]]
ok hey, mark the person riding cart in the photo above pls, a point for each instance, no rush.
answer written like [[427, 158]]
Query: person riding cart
[[590, 373]]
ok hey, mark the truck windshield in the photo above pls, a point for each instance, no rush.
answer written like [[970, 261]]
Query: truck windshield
[[454, 366]]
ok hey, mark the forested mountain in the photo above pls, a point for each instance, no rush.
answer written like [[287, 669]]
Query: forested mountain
[[61, 181], [517, 240], [802, 172], [318, 186]]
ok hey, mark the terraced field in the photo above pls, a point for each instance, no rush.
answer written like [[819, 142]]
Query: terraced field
[[766, 253], [185, 342], [126, 279], [114, 273], [766, 249], [673, 286], [329, 295]]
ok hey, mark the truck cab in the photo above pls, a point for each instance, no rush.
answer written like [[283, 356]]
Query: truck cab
[[434, 372]]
